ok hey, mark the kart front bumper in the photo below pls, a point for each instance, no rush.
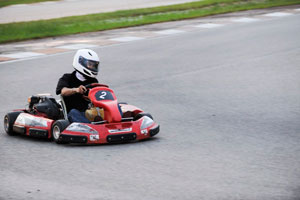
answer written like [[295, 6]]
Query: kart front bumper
[[154, 130], [115, 138], [66, 138]]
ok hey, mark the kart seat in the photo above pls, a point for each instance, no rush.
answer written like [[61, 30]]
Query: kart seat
[[49, 106]]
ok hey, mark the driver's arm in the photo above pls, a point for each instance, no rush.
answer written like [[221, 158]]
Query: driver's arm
[[70, 91]]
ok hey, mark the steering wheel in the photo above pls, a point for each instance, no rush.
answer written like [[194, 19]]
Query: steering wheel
[[92, 85]]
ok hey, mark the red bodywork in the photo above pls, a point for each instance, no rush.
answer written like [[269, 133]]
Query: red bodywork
[[109, 133], [114, 128], [33, 125]]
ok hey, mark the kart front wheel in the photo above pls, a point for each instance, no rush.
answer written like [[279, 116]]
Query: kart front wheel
[[58, 127], [9, 120]]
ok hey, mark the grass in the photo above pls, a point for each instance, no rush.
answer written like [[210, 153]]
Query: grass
[[127, 18], [13, 2]]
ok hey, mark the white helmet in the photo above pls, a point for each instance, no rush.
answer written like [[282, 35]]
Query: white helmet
[[86, 61]]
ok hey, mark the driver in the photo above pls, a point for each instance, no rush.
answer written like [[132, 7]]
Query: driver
[[71, 86]]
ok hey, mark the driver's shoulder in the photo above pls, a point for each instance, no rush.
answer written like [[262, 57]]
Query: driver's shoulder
[[68, 76]]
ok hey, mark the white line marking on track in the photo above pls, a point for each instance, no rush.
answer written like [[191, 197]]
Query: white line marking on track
[[277, 14], [47, 3], [19, 5], [22, 55], [126, 39], [245, 19], [208, 25], [77, 46], [169, 32]]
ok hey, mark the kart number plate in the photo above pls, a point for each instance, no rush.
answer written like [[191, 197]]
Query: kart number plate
[[104, 95]]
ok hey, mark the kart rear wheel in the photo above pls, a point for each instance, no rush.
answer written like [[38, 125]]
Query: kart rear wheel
[[9, 120], [142, 114], [58, 127]]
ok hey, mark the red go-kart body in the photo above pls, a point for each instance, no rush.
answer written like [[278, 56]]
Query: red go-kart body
[[48, 119]]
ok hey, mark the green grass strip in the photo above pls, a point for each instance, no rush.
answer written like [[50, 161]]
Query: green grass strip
[[12, 2], [127, 18]]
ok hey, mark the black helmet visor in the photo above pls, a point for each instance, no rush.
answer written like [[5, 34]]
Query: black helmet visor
[[89, 64]]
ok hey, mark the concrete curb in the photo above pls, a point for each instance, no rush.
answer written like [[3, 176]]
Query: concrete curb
[[42, 47]]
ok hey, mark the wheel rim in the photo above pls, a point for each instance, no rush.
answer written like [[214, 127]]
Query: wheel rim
[[56, 132], [6, 123]]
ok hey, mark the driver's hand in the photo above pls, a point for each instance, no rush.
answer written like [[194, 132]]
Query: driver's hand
[[81, 89]]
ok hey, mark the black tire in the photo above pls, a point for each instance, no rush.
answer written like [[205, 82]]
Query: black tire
[[9, 120], [140, 115], [58, 127]]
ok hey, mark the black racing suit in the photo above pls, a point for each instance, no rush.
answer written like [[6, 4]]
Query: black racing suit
[[75, 101]]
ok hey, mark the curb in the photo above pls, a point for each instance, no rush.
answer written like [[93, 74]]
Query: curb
[[36, 48]]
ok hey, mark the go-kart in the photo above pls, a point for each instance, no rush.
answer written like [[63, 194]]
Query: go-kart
[[114, 122]]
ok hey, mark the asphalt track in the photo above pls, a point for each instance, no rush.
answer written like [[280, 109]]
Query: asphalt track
[[227, 100]]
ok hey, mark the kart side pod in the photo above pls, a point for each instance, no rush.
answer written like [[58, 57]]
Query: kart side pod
[[105, 98]]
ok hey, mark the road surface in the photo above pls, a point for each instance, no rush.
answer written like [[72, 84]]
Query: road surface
[[227, 100]]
